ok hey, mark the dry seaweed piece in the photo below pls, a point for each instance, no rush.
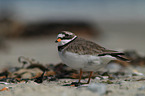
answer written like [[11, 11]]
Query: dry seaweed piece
[[5, 88], [136, 59], [132, 54], [49, 73], [32, 63], [63, 71], [39, 79], [23, 60], [25, 73], [4, 73], [40, 66], [142, 79], [108, 82]]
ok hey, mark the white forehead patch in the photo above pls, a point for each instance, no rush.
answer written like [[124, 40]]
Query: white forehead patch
[[60, 35]]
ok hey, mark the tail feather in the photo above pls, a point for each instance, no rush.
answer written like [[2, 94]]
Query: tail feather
[[117, 55], [121, 57]]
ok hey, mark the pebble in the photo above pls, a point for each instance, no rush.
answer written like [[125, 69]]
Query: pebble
[[140, 94], [114, 67], [97, 87], [141, 88]]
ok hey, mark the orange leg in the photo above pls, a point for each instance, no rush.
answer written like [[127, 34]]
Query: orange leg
[[81, 72], [90, 77]]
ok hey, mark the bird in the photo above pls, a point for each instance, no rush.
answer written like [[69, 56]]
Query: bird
[[84, 55]]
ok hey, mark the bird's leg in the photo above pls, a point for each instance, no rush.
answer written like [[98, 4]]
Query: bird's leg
[[79, 82], [81, 72], [90, 77]]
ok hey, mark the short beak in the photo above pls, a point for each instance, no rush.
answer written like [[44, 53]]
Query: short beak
[[58, 40]]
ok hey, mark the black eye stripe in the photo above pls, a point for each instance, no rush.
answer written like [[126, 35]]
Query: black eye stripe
[[67, 37]]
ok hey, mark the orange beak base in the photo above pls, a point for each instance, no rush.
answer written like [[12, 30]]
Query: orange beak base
[[58, 40]]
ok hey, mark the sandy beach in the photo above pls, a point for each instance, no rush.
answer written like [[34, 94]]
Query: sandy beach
[[44, 50]]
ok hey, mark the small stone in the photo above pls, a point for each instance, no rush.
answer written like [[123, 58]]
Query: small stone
[[114, 67], [97, 78], [141, 88], [140, 94], [97, 87], [136, 73]]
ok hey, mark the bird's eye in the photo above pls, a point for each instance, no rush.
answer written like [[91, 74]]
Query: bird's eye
[[66, 35]]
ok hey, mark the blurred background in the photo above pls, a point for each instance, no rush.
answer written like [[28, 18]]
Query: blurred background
[[29, 27]]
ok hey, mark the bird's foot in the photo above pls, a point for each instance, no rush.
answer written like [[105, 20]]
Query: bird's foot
[[76, 84]]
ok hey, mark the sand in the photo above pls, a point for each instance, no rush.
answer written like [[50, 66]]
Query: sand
[[44, 50], [119, 87]]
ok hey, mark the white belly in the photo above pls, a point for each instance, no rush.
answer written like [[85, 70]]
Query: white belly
[[86, 62]]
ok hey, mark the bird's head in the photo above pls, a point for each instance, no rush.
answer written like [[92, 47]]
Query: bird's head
[[65, 37]]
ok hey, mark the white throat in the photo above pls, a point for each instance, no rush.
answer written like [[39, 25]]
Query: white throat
[[63, 42]]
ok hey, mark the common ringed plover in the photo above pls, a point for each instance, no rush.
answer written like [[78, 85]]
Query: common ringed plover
[[84, 55]]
